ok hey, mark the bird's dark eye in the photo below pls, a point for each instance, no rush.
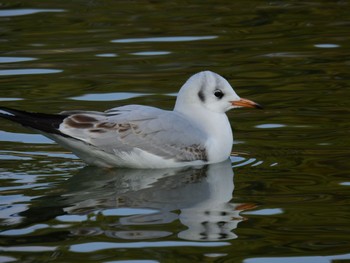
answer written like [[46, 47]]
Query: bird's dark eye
[[219, 94]]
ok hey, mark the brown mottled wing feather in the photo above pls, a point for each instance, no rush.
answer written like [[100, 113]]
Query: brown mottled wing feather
[[163, 133]]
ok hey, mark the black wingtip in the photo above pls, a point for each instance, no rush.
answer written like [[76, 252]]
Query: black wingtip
[[8, 113], [48, 123], [5, 111]]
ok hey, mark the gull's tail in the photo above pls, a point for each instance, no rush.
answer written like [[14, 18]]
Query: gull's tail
[[48, 123]]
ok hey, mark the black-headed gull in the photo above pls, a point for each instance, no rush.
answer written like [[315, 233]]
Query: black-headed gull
[[196, 132]]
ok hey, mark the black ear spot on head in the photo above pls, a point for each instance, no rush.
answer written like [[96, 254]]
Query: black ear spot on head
[[201, 95], [218, 93]]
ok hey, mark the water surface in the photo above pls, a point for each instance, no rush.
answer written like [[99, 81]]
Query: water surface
[[282, 197]]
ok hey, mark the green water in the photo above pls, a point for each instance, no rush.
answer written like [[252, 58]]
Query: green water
[[283, 196]]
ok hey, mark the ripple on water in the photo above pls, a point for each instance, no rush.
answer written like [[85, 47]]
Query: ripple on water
[[137, 234], [114, 96], [28, 71], [15, 59], [264, 212], [151, 53], [96, 246], [27, 11], [128, 211], [24, 138], [27, 248], [163, 39], [270, 126], [238, 161], [10, 99], [72, 218], [27, 156], [109, 96], [23, 231], [8, 211], [327, 45], [107, 55]]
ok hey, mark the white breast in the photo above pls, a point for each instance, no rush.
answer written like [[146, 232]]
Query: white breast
[[219, 144], [219, 133]]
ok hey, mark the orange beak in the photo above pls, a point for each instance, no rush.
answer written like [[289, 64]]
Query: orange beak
[[246, 103]]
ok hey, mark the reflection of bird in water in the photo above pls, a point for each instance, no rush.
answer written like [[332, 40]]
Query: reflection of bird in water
[[196, 132], [201, 194], [214, 217], [150, 197]]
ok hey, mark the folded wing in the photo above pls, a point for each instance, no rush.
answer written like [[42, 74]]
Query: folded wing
[[163, 133]]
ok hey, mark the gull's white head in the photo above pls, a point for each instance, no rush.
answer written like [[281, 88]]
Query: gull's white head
[[211, 91]]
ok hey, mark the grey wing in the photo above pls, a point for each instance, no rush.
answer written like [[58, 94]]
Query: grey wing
[[163, 133]]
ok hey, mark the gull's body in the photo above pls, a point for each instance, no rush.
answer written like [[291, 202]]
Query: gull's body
[[196, 132]]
